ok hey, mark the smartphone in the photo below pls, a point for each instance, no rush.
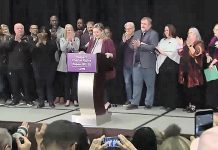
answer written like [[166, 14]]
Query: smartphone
[[203, 121], [112, 142]]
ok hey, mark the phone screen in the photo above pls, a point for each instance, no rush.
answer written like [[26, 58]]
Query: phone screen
[[112, 141], [203, 121]]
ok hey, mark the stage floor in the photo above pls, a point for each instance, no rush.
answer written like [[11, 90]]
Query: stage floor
[[121, 118]]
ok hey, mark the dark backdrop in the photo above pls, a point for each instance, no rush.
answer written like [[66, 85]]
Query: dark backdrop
[[114, 13]]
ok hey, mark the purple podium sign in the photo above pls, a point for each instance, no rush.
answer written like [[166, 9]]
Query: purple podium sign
[[77, 62]]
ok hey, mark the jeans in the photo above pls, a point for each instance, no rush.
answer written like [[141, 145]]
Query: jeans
[[127, 73], [148, 76]]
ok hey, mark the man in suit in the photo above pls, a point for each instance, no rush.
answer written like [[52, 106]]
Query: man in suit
[[33, 33], [144, 62], [85, 38]]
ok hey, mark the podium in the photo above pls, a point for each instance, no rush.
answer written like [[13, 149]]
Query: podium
[[91, 85]]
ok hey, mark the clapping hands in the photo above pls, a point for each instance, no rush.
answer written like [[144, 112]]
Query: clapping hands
[[39, 135]]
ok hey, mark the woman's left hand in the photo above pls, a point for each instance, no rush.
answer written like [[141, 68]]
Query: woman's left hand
[[109, 55]]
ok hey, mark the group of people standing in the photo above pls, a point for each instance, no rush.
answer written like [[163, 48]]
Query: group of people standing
[[168, 67], [36, 65], [171, 68]]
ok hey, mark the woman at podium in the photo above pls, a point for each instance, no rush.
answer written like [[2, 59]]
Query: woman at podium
[[100, 44]]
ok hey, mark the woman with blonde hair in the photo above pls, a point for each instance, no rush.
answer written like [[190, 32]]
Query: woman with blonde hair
[[102, 44], [190, 69], [69, 44]]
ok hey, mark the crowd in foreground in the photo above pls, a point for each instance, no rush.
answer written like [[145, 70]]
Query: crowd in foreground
[[66, 135]]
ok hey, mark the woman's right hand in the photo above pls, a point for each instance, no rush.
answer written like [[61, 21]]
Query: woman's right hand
[[109, 55], [125, 144], [180, 41], [124, 38], [209, 58], [39, 134], [211, 66]]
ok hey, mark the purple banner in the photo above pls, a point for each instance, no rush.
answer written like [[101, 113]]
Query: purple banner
[[77, 62]]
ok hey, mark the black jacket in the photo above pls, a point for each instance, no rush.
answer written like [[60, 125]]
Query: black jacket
[[4, 49], [19, 56]]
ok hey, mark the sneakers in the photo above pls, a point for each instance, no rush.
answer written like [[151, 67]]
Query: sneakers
[[126, 103], [107, 105], [190, 108], [13, 103], [148, 107], [40, 105], [51, 104], [30, 104], [131, 106]]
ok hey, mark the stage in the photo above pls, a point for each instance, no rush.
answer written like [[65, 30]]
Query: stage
[[122, 119]]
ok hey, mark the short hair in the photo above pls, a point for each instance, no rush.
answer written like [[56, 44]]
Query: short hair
[[90, 22], [148, 19], [44, 29], [144, 138], [129, 24], [80, 19], [65, 133], [20, 24], [4, 25], [172, 30], [196, 32], [55, 17], [33, 25], [5, 138]]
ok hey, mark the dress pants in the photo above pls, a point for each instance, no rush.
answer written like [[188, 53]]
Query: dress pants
[[19, 79], [44, 84], [148, 76], [71, 84]]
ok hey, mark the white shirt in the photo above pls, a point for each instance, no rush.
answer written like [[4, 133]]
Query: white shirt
[[97, 46], [170, 47]]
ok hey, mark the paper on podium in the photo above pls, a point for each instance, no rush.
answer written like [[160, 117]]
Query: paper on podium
[[211, 74]]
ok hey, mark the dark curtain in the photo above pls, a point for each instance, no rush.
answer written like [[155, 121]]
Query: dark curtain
[[114, 13]]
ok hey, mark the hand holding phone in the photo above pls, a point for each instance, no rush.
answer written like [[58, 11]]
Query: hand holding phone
[[112, 142], [203, 121]]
